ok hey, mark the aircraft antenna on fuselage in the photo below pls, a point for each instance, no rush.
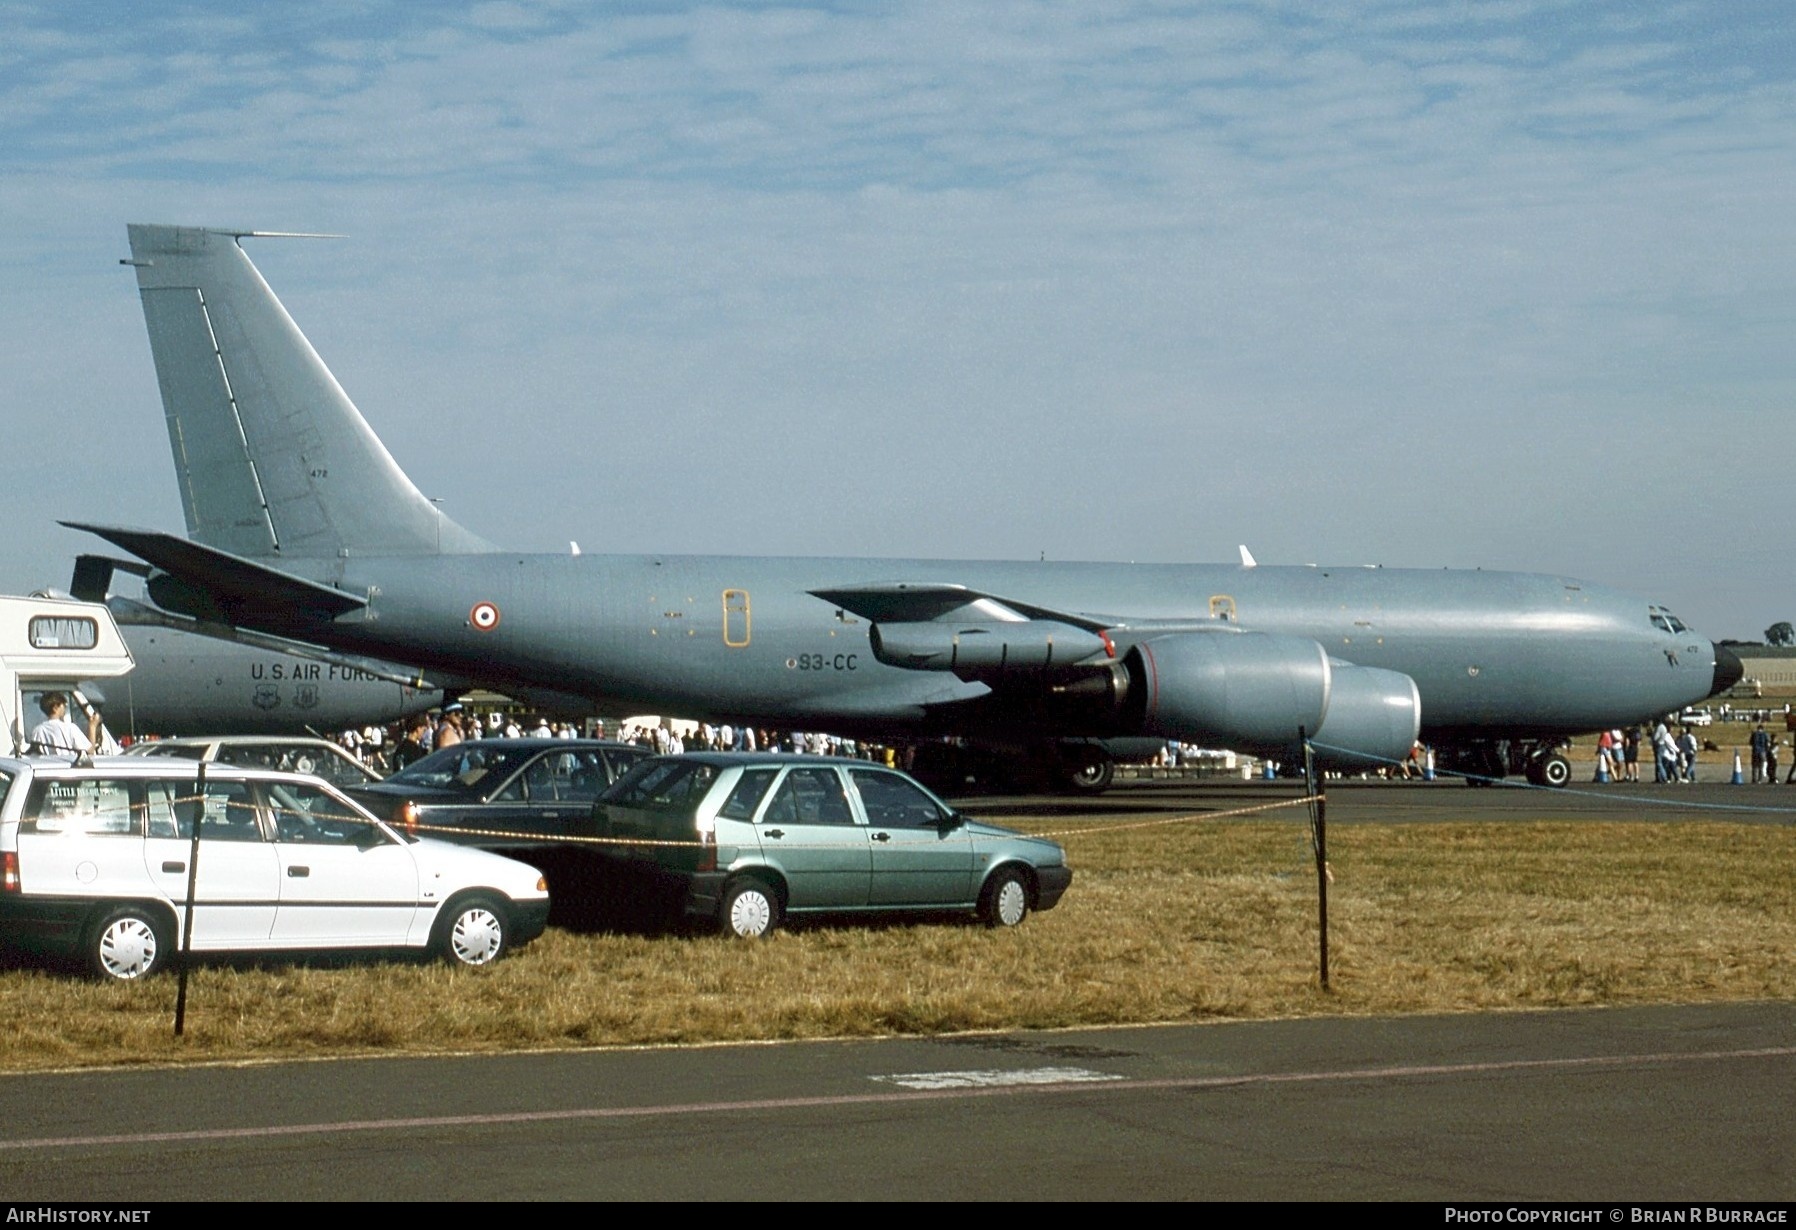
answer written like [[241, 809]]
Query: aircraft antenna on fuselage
[[274, 460]]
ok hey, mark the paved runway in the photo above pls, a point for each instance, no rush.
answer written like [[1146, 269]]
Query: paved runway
[[1356, 802], [1611, 1105]]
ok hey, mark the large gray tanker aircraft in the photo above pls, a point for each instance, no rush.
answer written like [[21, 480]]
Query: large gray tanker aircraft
[[301, 524]]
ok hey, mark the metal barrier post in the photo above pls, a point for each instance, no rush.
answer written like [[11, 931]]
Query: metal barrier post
[[1319, 840], [193, 877]]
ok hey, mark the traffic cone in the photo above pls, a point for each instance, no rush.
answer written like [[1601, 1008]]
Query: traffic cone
[[1602, 769], [1738, 779], [1269, 770], [1428, 766]]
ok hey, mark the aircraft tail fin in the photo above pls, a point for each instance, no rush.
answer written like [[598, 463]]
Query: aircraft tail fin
[[273, 458]]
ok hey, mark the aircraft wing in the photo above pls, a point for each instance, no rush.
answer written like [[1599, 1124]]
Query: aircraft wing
[[222, 583], [927, 602], [905, 701]]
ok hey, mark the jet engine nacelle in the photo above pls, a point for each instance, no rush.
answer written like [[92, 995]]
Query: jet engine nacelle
[[1373, 716], [1255, 691], [983, 648], [1247, 690]]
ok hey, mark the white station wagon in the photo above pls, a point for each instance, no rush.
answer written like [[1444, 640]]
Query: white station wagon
[[95, 862]]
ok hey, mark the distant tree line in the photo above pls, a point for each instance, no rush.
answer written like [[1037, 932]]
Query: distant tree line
[[1780, 633]]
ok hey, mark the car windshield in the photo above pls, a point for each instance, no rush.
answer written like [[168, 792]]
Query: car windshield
[[467, 768], [662, 785]]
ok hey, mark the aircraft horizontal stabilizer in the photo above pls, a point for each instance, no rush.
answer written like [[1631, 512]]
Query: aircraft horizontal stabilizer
[[217, 585], [131, 614], [923, 602]]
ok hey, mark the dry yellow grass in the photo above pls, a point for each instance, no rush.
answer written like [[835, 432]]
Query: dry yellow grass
[[1208, 920]]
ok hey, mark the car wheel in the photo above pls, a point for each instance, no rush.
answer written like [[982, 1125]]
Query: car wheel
[[128, 944], [473, 932], [1005, 901], [749, 909]]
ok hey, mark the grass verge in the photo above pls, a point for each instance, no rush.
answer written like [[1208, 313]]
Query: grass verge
[[1203, 921]]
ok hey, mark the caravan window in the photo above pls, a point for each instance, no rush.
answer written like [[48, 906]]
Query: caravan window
[[63, 632]]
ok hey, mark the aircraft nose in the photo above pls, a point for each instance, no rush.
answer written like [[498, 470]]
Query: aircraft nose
[[1729, 670]]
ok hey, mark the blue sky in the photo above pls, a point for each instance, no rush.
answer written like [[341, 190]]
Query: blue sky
[[1506, 284]]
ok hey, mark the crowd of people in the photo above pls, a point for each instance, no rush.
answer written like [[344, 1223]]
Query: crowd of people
[[389, 749], [1674, 753]]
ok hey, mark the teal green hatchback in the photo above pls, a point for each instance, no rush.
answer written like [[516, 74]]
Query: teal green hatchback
[[745, 839]]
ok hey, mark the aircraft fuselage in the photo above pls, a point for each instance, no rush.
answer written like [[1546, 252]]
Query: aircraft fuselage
[[1493, 654]]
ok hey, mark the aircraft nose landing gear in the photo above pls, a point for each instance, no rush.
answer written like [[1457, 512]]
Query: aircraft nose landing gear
[[1549, 769]]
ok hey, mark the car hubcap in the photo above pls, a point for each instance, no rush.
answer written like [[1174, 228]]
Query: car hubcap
[[750, 914], [128, 948], [1013, 903], [476, 937]]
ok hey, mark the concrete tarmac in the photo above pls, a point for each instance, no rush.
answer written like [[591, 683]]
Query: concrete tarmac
[[1357, 801], [1680, 1104]]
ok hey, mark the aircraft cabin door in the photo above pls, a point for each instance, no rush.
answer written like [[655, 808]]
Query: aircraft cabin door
[[736, 618]]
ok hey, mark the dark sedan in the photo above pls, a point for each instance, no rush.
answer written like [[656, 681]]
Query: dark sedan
[[512, 796]]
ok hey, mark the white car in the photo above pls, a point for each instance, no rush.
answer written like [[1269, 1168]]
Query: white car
[[289, 753], [1695, 717], [96, 863]]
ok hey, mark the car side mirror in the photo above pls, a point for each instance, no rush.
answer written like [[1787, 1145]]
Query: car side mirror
[[951, 821]]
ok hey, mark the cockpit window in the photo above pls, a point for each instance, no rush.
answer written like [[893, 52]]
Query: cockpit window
[[1665, 621]]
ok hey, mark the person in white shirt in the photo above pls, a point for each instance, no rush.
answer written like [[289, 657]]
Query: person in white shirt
[[56, 735]]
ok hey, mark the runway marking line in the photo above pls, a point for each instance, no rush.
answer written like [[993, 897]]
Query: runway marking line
[[997, 1077], [506, 1118]]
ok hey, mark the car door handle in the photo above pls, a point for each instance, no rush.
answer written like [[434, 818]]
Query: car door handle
[[171, 865], [297, 872], [882, 837], [776, 834]]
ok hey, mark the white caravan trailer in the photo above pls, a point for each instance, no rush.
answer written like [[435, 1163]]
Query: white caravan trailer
[[53, 645]]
